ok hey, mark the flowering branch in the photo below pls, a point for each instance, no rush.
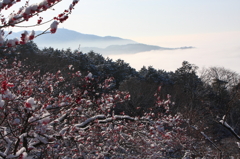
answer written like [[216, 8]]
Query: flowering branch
[[27, 12]]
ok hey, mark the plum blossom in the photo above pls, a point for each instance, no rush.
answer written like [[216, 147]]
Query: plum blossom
[[30, 103], [53, 27], [89, 76], [32, 35]]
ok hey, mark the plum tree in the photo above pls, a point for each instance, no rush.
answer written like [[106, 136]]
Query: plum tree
[[47, 116]]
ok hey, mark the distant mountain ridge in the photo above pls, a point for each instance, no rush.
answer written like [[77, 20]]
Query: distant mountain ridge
[[65, 38], [128, 48]]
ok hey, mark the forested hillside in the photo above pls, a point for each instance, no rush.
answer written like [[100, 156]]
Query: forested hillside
[[207, 101]]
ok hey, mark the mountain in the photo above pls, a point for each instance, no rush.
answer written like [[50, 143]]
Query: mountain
[[128, 49], [65, 38]]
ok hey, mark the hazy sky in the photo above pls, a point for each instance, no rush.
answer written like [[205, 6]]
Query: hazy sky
[[140, 18], [205, 24]]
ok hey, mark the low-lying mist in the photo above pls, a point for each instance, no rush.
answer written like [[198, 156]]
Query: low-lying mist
[[216, 49]]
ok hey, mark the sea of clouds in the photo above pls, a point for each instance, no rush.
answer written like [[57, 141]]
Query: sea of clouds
[[213, 49]]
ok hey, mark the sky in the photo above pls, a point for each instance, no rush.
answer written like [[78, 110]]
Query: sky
[[211, 26]]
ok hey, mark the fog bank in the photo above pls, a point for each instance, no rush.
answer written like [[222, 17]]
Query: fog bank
[[215, 49]]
